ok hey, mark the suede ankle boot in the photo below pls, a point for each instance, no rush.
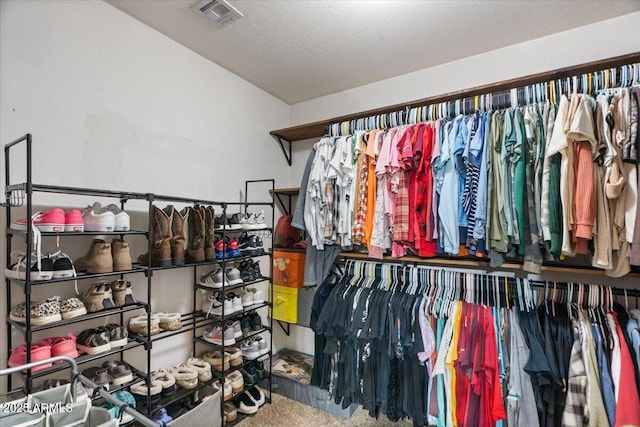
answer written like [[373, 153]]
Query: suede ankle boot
[[209, 234], [98, 259], [178, 233], [195, 246], [160, 240], [121, 255]]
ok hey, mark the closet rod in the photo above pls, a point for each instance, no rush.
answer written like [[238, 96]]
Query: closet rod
[[478, 263], [318, 129], [634, 293]]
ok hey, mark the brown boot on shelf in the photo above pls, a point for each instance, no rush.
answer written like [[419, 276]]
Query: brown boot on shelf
[[122, 292], [121, 255], [195, 246], [160, 240], [209, 234], [178, 234], [97, 260]]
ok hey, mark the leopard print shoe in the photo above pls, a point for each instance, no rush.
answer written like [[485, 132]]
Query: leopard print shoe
[[72, 307], [41, 312]]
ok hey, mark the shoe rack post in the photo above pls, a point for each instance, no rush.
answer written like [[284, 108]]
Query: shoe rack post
[[15, 197], [270, 275], [149, 344], [223, 378]]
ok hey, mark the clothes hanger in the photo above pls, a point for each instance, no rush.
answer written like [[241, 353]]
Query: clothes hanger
[[444, 303], [546, 297], [449, 296], [533, 304], [439, 289], [434, 286], [507, 302]]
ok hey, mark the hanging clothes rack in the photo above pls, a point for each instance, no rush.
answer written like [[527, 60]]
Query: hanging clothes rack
[[402, 271], [284, 137], [549, 91], [97, 390]]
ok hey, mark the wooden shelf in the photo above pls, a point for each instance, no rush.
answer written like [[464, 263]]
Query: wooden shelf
[[320, 128], [286, 191], [480, 263], [284, 198]]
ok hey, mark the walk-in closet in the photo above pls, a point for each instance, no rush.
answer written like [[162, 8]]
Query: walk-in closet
[[315, 213]]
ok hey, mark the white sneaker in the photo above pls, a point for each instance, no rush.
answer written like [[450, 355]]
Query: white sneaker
[[237, 304], [237, 329], [250, 349], [215, 307], [122, 220], [97, 219], [263, 344], [41, 268], [215, 279], [247, 299], [260, 221], [257, 296], [220, 336], [246, 221]]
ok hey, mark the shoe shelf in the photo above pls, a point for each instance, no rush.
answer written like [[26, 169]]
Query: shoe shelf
[[241, 230], [246, 385], [113, 389], [190, 321], [79, 319], [86, 358], [81, 276], [248, 256], [213, 318], [244, 337], [138, 375], [179, 394], [79, 191], [13, 232], [202, 263], [241, 416], [219, 375], [222, 204], [186, 265], [21, 194], [232, 287]]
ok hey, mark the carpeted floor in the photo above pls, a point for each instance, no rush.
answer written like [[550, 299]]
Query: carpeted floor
[[285, 412]]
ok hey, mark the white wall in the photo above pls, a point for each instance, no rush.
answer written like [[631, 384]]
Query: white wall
[[113, 104], [601, 40]]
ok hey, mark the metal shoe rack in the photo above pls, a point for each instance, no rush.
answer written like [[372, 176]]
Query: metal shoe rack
[[197, 320], [20, 195]]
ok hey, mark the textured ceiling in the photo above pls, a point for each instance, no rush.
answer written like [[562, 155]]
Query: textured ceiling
[[299, 50]]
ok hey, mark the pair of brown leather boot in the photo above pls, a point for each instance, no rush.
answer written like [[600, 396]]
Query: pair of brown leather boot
[[181, 236], [105, 257]]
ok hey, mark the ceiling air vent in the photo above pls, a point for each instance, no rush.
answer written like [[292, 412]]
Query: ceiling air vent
[[220, 12]]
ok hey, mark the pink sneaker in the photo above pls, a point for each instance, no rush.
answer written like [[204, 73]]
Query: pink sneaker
[[51, 221], [38, 352], [62, 346], [73, 221]]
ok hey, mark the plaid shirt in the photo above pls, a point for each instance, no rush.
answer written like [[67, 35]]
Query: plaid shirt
[[576, 412], [401, 214], [362, 176], [328, 208]]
